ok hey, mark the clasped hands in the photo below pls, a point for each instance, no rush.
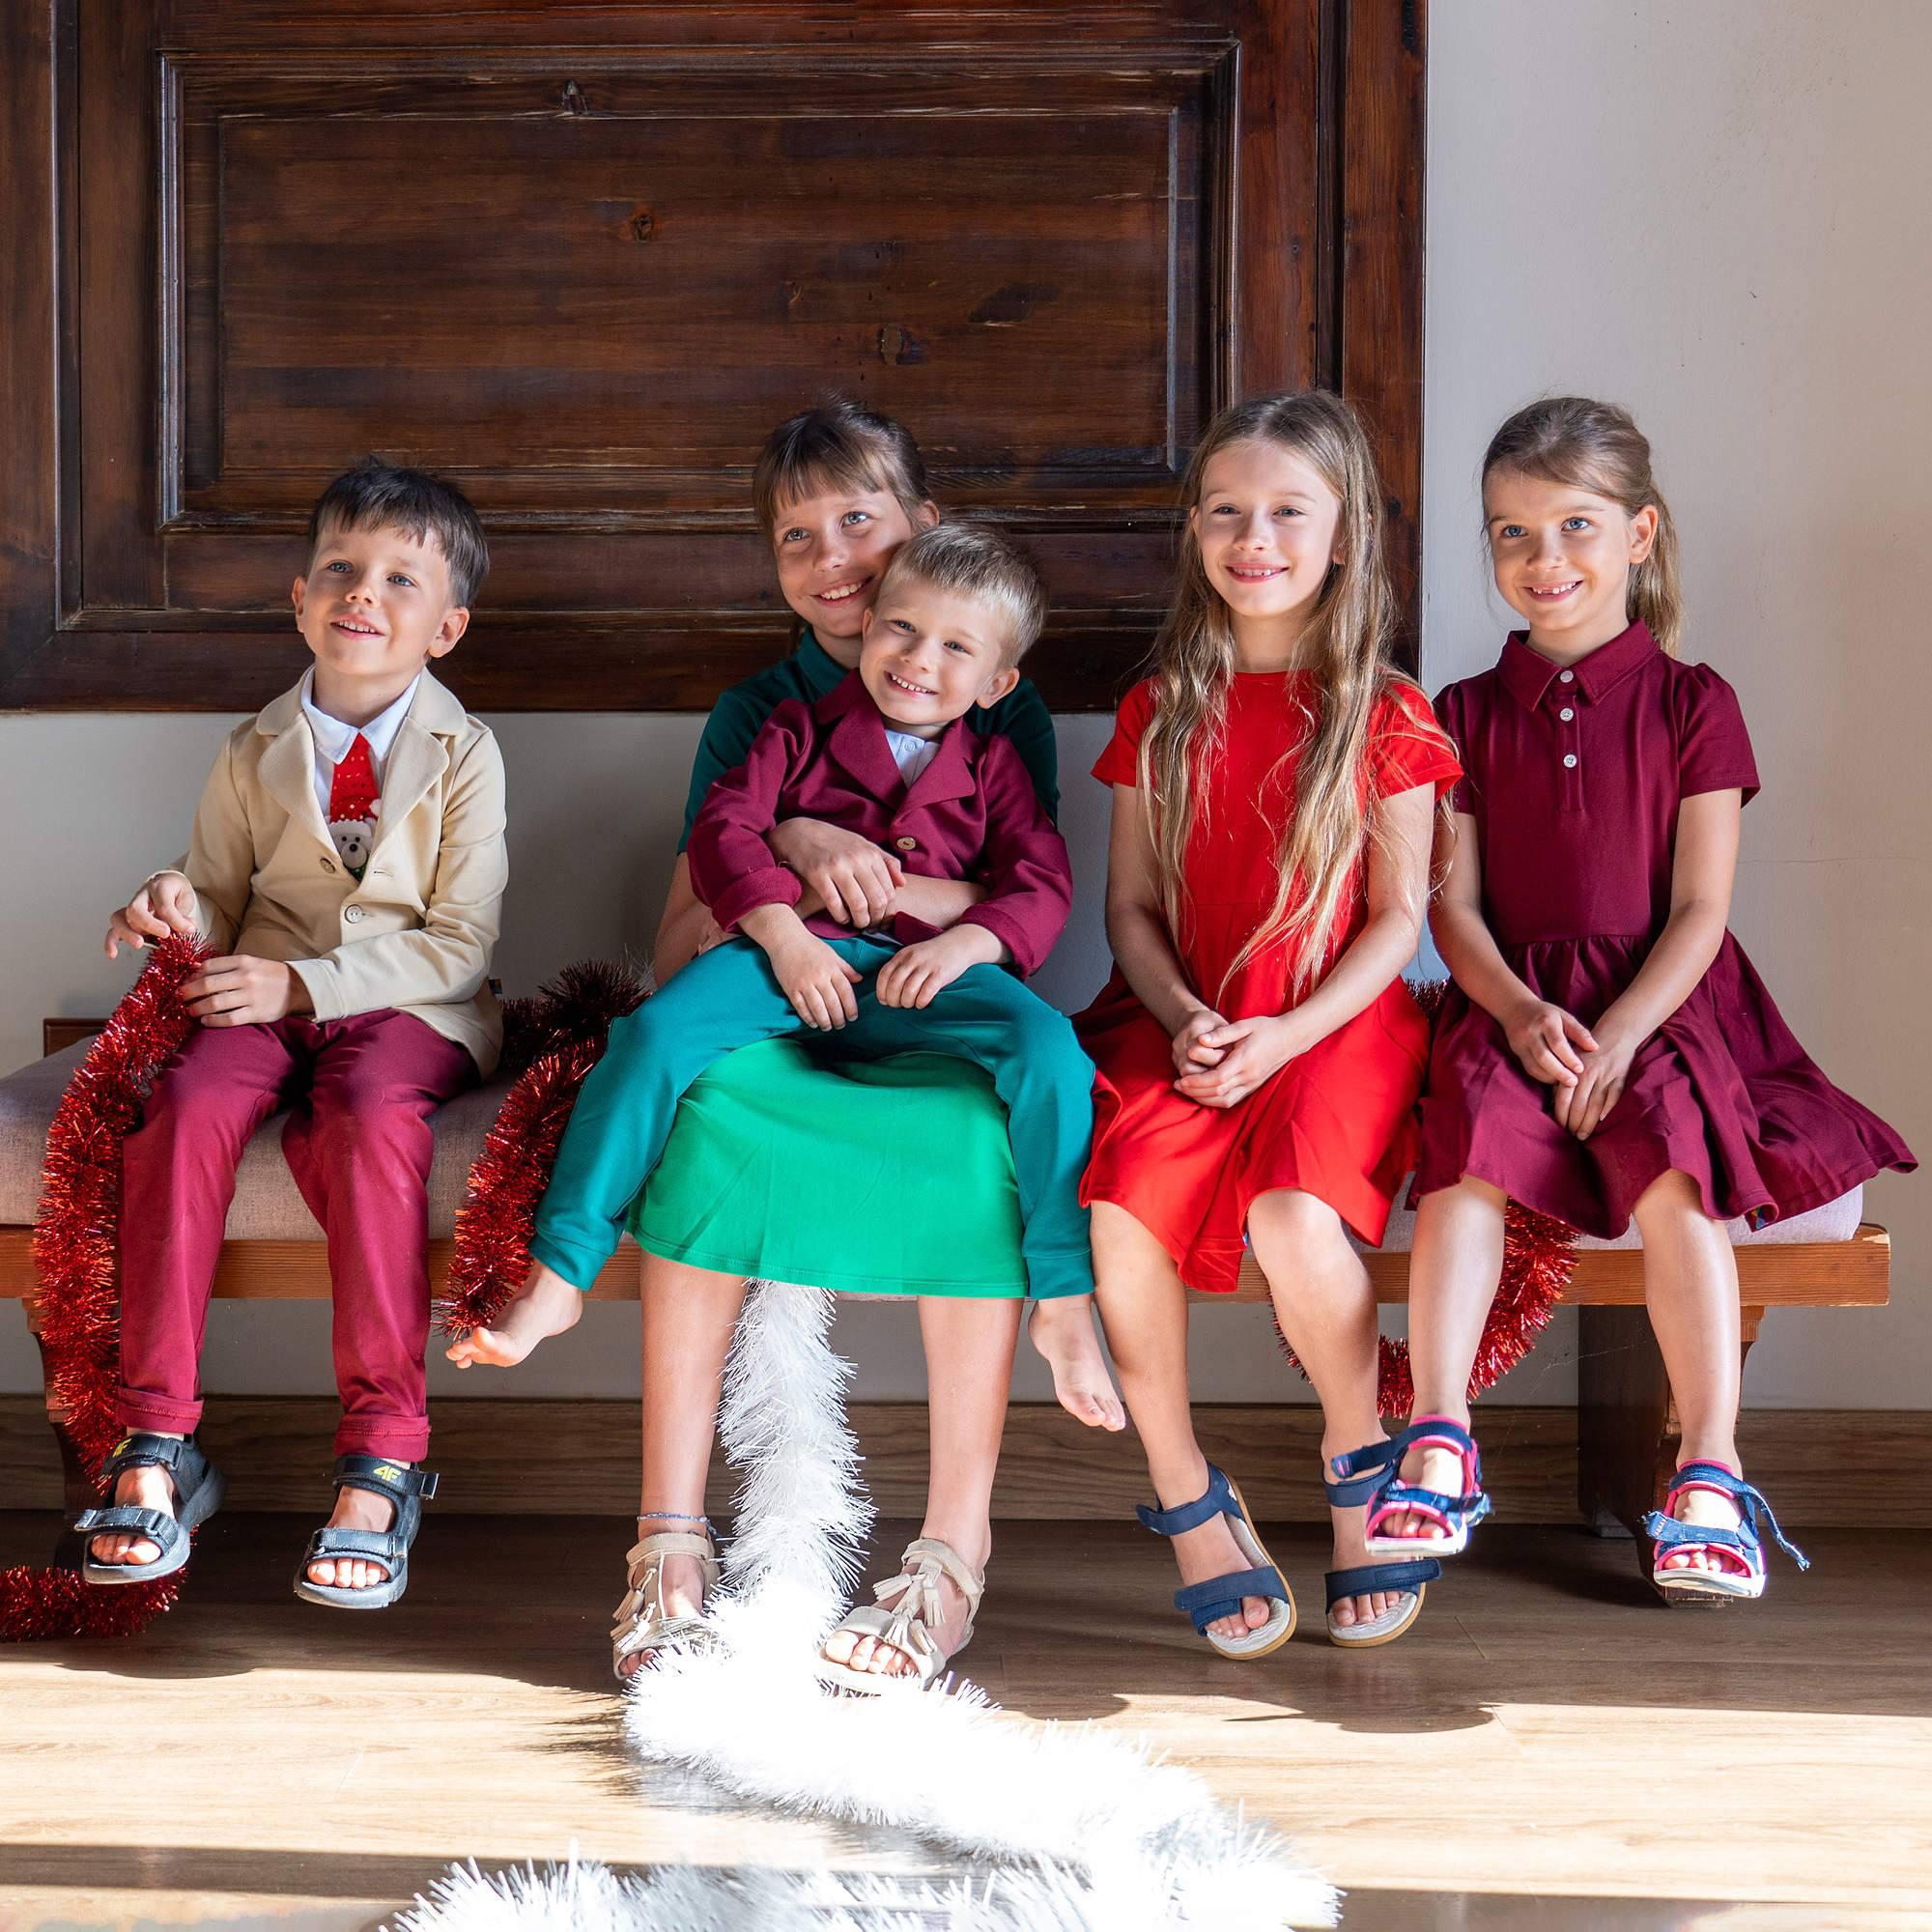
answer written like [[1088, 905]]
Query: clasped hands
[[1588, 1070], [235, 990], [1219, 1062]]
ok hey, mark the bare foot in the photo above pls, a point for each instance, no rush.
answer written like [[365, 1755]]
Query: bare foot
[[1351, 1551], [544, 1305], [1708, 1510], [885, 1659], [1062, 1329], [356, 1509], [146, 1487]]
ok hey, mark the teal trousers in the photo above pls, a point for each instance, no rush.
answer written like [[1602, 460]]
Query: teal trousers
[[728, 998]]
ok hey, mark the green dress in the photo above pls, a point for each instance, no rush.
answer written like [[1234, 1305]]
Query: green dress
[[885, 1177]]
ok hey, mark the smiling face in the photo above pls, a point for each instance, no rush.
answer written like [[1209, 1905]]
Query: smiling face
[[1268, 527], [930, 655], [1562, 557], [831, 549], [374, 607]]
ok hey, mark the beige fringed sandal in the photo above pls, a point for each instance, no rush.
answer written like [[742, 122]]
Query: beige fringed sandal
[[642, 1624], [908, 1625]]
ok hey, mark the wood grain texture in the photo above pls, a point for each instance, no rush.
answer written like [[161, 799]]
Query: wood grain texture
[[1060, 237], [1796, 1274], [500, 1455]]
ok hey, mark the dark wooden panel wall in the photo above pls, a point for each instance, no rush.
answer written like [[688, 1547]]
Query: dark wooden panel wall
[[582, 257]]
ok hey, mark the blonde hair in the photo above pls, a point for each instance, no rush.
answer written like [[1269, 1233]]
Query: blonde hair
[[1598, 447], [837, 445], [1345, 642], [970, 560]]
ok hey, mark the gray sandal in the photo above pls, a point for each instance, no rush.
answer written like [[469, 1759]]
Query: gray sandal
[[198, 1486], [406, 1485]]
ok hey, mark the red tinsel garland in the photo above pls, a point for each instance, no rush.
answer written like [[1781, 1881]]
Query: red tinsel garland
[[77, 1251], [552, 1042]]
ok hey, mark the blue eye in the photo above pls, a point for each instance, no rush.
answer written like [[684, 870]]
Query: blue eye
[[1575, 522], [337, 565], [792, 536], [858, 516], [1289, 510], [952, 645], [397, 577], [1511, 531]]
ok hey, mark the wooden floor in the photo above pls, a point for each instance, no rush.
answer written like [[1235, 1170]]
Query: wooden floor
[[1548, 1748]]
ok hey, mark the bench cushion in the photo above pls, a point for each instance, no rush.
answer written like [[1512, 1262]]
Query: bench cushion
[[267, 1206]]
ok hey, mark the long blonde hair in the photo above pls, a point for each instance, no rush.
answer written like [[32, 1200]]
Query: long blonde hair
[[1598, 447], [1346, 644]]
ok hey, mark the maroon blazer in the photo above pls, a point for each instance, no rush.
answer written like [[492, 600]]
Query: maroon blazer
[[973, 813]]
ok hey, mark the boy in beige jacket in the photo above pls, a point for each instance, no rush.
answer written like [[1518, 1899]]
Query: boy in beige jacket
[[348, 863]]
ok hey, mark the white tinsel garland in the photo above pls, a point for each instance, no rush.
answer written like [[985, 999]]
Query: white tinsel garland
[[1066, 1829]]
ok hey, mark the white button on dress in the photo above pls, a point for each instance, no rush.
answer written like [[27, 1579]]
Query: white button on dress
[[1569, 762]]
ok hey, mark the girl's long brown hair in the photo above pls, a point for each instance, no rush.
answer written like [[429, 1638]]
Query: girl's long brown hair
[[1598, 447], [1346, 644]]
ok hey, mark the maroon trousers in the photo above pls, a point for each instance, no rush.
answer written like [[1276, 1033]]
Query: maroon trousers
[[359, 1144]]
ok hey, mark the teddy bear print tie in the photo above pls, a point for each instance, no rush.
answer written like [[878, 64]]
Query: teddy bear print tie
[[352, 806]]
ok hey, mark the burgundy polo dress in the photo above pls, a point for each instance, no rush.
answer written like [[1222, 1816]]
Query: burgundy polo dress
[[1574, 778]]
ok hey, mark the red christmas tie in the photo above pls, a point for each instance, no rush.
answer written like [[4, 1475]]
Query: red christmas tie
[[352, 806]]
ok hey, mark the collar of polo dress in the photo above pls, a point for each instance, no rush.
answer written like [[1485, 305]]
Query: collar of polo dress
[[1528, 673]]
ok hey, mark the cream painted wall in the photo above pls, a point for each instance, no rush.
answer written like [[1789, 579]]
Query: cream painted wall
[[1707, 212]]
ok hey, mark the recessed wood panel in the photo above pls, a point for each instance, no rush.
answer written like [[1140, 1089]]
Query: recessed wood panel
[[582, 257]]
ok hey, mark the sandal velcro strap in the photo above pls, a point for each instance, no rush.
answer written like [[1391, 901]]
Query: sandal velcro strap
[[126, 1519], [385, 1546], [1391, 1578], [1750, 1501], [1221, 1596], [384, 1477], [1217, 1500], [143, 1449]]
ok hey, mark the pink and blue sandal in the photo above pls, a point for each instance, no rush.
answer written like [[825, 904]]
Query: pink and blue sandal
[[1405, 1582], [1391, 1497], [1221, 1596], [1741, 1550]]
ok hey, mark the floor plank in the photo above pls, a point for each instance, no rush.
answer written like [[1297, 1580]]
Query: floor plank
[[1548, 1748]]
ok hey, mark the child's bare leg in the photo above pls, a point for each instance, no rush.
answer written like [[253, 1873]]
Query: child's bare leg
[[1452, 1281], [1062, 1329], [969, 1366], [1690, 1288], [145, 1487], [544, 1305], [1326, 1308], [689, 1315], [1145, 1308]]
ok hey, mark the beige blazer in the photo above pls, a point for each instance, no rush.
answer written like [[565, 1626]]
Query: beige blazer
[[416, 931]]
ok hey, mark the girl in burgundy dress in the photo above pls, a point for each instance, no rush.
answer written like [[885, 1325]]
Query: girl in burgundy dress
[[1607, 1052], [1258, 1054]]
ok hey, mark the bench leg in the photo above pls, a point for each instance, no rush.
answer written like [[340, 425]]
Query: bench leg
[[1627, 1428], [77, 1487]]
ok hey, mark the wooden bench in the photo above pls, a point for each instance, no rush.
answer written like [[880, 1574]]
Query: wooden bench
[[1627, 1426]]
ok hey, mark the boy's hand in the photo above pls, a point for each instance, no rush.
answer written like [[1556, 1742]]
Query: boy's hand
[[1190, 1054], [816, 981], [1546, 1039], [854, 878], [165, 904], [914, 974], [1251, 1052], [244, 991]]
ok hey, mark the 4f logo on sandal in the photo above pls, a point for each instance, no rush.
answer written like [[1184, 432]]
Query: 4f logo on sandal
[[386, 1472]]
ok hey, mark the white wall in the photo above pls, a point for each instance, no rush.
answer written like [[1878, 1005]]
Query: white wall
[[1714, 214]]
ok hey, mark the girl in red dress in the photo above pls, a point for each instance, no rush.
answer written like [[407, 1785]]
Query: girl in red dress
[[1258, 1054], [1607, 1053]]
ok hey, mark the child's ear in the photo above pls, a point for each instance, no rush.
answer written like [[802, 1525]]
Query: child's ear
[[926, 516], [455, 621], [866, 618], [1643, 532], [296, 592], [1001, 687]]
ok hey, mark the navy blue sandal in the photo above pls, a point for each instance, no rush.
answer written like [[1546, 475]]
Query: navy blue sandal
[[406, 1485], [199, 1487], [1405, 1581], [1221, 1596], [1457, 1516], [1742, 1549]]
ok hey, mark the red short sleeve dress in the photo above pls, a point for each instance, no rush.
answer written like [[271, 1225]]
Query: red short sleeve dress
[[1574, 778], [1337, 1122]]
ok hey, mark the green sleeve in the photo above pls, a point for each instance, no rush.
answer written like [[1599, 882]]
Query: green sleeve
[[1028, 723], [734, 722]]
